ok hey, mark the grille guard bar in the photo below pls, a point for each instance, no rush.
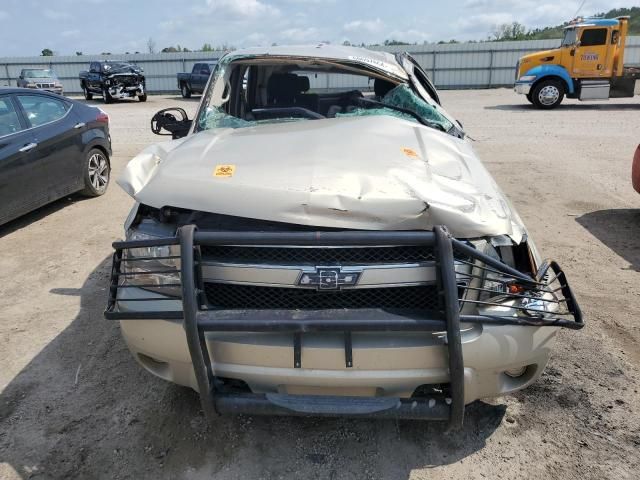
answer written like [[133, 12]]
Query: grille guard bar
[[536, 296]]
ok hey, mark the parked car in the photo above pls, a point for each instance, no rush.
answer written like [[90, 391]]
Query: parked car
[[299, 251], [635, 170], [41, 78], [196, 81], [113, 80], [50, 146]]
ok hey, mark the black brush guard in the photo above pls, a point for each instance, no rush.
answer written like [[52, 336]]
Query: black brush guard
[[198, 320]]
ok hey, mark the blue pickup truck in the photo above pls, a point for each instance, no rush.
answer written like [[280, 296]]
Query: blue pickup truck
[[196, 81]]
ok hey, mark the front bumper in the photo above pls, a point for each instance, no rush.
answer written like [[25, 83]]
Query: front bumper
[[120, 91], [390, 364], [522, 88], [349, 361], [57, 90]]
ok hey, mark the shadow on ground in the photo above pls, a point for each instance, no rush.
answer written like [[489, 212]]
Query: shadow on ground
[[618, 229], [39, 214], [604, 107], [82, 408]]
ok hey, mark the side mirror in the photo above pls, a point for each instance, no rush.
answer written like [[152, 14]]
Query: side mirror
[[174, 120]]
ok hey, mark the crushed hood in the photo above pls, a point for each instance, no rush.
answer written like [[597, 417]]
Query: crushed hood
[[370, 173]]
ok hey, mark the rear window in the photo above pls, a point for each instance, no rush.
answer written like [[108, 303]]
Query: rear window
[[41, 110]]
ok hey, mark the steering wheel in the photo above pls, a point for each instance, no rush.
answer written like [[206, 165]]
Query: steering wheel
[[280, 112]]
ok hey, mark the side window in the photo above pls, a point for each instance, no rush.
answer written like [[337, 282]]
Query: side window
[[94, 67], [615, 36], [40, 109], [9, 121], [197, 68], [594, 37], [205, 69]]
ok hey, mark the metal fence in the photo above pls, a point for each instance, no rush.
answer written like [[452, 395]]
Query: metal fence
[[450, 66]]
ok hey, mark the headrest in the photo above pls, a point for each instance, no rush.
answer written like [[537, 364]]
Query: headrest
[[382, 87]]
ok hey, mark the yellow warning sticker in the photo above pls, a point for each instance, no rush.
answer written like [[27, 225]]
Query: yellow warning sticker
[[224, 171], [410, 152]]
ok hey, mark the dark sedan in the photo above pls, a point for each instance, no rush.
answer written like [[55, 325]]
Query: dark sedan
[[50, 146]]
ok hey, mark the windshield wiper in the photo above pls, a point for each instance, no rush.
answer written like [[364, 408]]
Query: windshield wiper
[[420, 119]]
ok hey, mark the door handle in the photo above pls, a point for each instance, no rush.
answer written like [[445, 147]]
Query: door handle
[[80, 125], [28, 147]]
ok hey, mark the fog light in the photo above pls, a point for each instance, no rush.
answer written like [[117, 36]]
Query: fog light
[[515, 372]]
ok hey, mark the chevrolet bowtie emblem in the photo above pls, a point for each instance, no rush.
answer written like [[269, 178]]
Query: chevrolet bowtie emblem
[[329, 278]]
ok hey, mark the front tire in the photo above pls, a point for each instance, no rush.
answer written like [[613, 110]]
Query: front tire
[[87, 95], [548, 94], [106, 96], [96, 173], [143, 97], [529, 97], [185, 91]]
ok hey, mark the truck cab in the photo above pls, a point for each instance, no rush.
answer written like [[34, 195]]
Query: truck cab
[[588, 65]]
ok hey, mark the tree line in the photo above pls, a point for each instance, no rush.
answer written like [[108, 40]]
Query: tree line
[[513, 31]]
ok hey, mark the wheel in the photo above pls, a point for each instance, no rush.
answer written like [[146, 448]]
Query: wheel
[[106, 96], [143, 97], [548, 94], [96, 174], [529, 97], [186, 93], [87, 94]]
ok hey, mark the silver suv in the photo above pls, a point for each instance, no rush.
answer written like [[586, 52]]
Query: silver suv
[[40, 78], [306, 248]]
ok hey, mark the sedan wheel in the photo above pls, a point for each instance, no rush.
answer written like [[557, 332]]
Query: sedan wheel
[[97, 173]]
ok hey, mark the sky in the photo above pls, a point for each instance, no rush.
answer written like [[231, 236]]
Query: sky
[[119, 26]]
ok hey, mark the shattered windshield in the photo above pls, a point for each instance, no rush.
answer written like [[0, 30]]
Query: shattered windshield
[[403, 97], [119, 67], [256, 93]]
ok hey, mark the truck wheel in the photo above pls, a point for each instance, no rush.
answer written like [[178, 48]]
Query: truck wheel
[[87, 94], [548, 94], [96, 174], [186, 93], [106, 96], [143, 97]]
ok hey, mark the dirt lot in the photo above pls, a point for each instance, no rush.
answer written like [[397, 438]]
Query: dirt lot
[[74, 404]]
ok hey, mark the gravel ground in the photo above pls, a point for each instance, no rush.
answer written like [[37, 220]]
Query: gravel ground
[[74, 404]]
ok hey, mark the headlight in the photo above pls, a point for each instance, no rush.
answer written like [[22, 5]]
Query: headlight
[[503, 296], [153, 268], [527, 78]]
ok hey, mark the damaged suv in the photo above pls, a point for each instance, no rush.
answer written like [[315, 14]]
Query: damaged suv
[[301, 248]]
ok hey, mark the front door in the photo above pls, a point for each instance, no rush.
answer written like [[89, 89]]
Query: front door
[[591, 54], [20, 177]]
